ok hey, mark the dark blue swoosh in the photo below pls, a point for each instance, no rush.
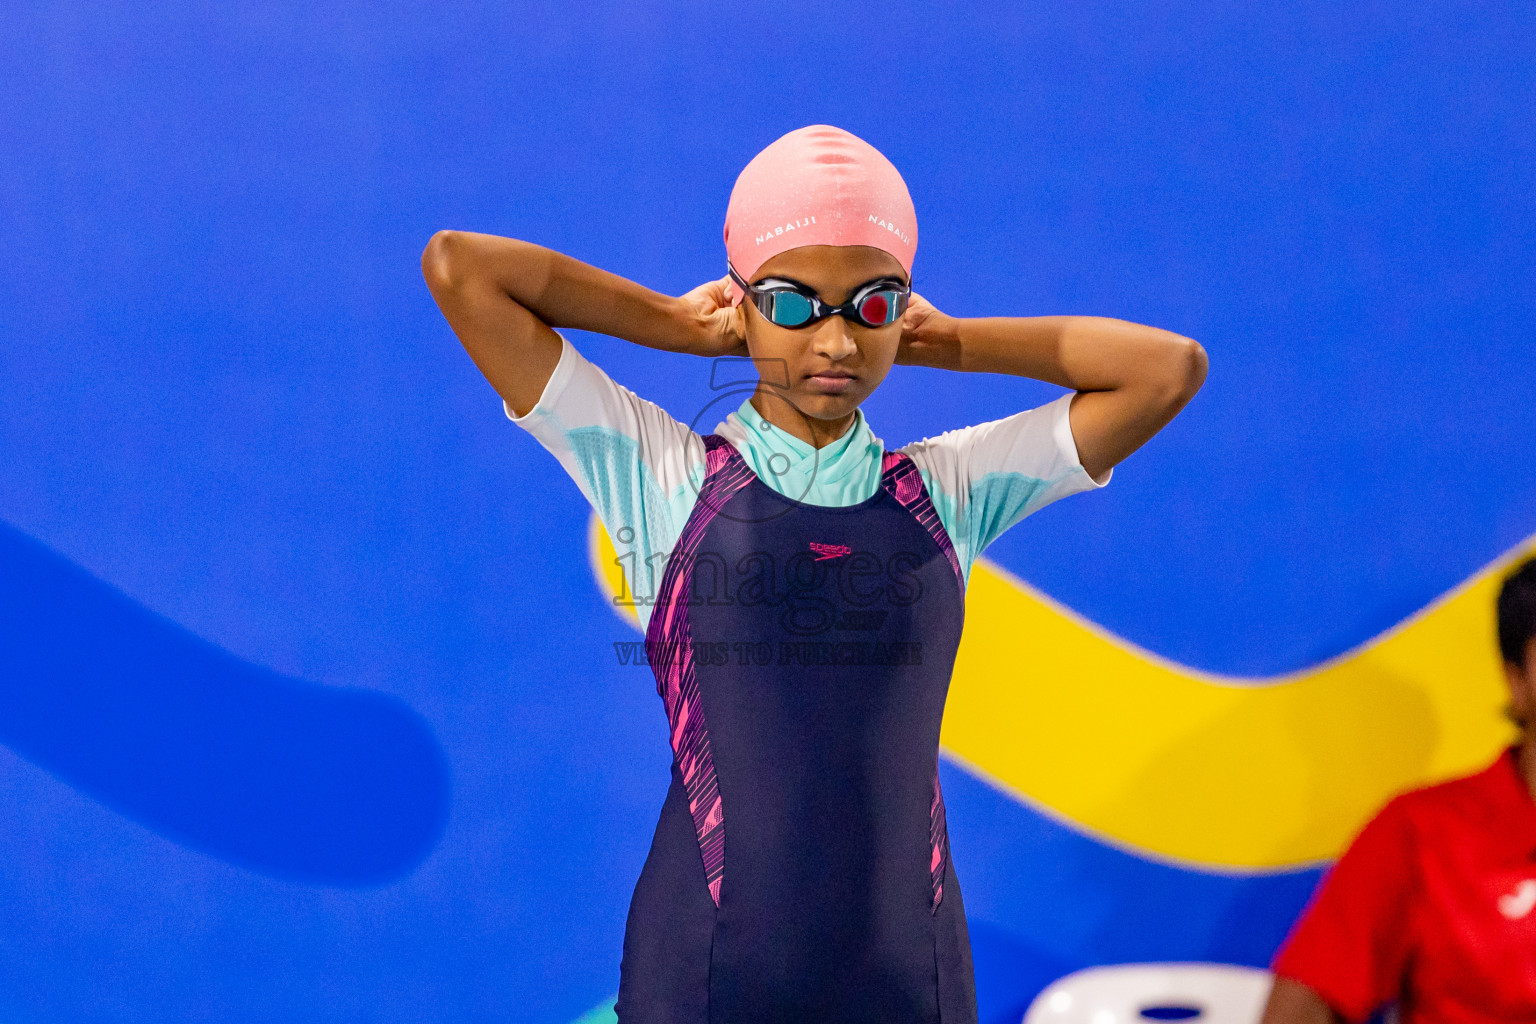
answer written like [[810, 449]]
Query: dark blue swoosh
[[326, 784]]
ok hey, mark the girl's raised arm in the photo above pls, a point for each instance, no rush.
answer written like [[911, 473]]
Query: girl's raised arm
[[1131, 379], [505, 297]]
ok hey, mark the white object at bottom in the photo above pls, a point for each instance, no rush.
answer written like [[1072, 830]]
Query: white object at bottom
[[1151, 993]]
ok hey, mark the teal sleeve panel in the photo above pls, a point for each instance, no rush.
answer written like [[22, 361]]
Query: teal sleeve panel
[[985, 478], [638, 466]]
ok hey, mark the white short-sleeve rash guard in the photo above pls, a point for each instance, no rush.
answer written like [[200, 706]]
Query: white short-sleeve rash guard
[[641, 469]]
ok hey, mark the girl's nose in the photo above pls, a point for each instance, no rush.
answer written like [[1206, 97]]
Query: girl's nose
[[833, 339]]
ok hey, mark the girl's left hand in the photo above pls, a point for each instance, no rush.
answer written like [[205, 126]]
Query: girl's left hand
[[924, 340]]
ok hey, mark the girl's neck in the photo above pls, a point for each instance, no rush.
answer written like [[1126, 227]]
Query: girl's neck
[[814, 432]]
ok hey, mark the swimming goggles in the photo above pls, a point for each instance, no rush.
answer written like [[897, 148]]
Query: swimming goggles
[[792, 305]]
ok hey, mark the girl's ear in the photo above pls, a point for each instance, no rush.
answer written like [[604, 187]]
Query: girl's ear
[[739, 320]]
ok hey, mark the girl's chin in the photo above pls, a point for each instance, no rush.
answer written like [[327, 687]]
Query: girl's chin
[[823, 406]]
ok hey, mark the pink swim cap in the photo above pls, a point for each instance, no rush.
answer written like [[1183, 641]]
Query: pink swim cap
[[817, 185]]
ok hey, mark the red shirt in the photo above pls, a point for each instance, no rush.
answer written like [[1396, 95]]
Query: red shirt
[[1433, 904]]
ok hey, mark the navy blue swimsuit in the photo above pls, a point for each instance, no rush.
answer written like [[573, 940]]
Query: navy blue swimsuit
[[800, 871]]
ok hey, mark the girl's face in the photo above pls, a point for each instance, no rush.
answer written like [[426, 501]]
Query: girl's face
[[823, 371]]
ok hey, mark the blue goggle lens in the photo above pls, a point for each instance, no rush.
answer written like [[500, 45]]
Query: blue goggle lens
[[791, 309]]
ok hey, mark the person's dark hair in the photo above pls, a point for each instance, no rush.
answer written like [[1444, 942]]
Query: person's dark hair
[[1517, 613]]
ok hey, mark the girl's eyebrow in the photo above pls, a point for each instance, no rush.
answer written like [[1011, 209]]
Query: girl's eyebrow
[[881, 280], [768, 281]]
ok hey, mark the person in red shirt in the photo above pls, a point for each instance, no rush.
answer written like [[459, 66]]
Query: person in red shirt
[[1433, 906]]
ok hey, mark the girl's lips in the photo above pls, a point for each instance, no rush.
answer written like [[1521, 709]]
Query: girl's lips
[[831, 383]]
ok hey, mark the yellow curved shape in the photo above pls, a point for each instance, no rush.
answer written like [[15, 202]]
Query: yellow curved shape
[[1211, 771]]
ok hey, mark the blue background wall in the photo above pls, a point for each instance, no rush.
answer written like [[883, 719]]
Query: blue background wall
[[240, 444]]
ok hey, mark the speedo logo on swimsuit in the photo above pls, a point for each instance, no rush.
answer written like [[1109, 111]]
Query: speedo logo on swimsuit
[[779, 229], [826, 551], [881, 222]]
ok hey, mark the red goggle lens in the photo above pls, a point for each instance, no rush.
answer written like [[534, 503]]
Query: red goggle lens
[[878, 308]]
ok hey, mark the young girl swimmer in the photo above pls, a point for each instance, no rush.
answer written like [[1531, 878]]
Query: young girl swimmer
[[801, 587]]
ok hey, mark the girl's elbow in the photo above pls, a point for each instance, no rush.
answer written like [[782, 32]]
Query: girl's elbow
[[1177, 374], [1195, 364], [438, 263]]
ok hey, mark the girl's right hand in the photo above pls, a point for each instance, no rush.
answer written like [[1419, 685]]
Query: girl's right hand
[[723, 325]]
